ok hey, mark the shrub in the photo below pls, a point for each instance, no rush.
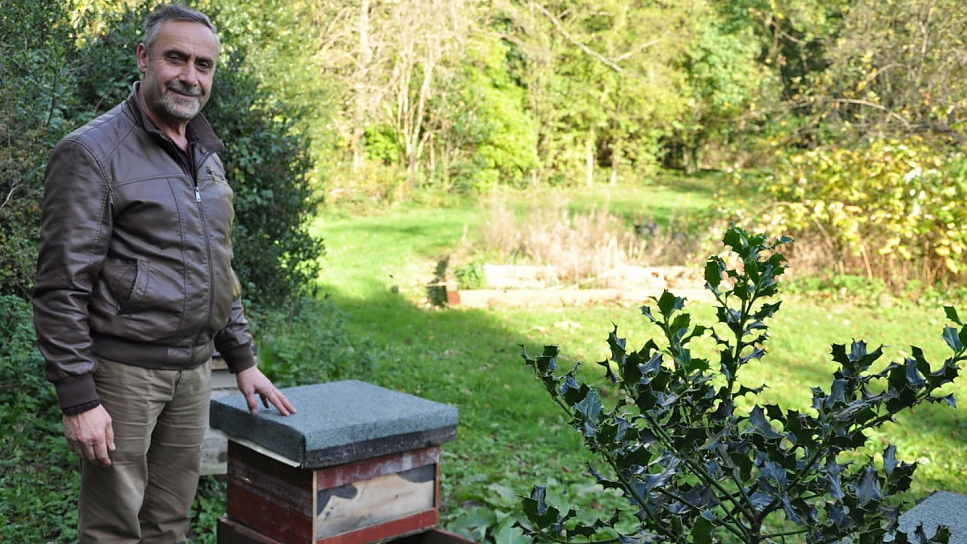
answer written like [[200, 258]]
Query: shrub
[[38, 476], [888, 209], [699, 461], [308, 344], [35, 76]]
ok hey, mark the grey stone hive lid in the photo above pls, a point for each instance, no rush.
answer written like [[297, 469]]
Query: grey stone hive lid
[[941, 509], [338, 422]]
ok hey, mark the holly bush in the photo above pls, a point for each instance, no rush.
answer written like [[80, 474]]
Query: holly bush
[[700, 461]]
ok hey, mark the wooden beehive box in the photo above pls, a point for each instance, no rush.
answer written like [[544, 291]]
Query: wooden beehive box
[[357, 464]]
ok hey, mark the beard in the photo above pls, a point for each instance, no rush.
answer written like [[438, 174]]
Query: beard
[[176, 104]]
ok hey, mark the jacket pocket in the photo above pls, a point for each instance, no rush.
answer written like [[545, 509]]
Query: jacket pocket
[[128, 280]]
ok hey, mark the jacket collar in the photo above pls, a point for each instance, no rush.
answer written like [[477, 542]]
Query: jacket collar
[[198, 128]]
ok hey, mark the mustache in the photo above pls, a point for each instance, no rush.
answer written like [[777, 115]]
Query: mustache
[[184, 89]]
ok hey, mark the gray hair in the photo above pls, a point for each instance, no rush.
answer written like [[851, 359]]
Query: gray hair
[[172, 12]]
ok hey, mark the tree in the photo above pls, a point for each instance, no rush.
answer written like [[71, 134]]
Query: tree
[[35, 81], [285, 44], [723, 81], [604, 78], [895, 70], [792, 37]]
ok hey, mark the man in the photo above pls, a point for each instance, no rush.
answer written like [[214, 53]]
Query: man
[[135, 290]]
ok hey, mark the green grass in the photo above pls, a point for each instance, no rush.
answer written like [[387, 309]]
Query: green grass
[[379, 273], [510, 435]]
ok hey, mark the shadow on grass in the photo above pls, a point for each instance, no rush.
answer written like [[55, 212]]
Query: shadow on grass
[[510, 429], [508, 426]]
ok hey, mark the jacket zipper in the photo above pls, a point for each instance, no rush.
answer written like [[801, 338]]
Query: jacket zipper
[[208, 250], [193, 172]]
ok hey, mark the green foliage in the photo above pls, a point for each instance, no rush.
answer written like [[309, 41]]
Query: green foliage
[[38, 479], [698, 460], [891, 71], [793, 37], [21, 189], [889, 209], [381, 145], [209, 505], [107, 68], [491, 515], [487, 137], [722, 80], [275, 36], [470, 275], [16, 329], [267, 165], [35, 59], [308, 344]]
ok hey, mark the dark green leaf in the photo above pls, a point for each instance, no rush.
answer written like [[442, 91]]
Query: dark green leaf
[[951, 313], [743, 390], [590, 405], [760, 500], [758, 420], [767, 310], [868, 487], [735, 239], [889, 460], [752, 269], [702, 531], [914, 378], [952, 337], [646, 311], [669, 304], [713, 274]]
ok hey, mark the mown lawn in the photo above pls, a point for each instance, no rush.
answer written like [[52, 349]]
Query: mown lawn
[[380, 269], [381, 274]]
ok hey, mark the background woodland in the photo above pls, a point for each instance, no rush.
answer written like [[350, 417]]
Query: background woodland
[[845, 118]]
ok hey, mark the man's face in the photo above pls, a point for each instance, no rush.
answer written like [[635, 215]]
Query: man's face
[[178, 71]]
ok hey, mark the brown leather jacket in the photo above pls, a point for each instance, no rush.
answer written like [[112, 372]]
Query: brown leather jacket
[[135, 255]]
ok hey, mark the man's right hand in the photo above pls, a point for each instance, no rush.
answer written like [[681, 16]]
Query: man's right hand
[[90, 435]]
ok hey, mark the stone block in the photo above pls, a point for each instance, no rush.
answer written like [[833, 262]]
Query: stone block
[[338, 422], [941, 509]]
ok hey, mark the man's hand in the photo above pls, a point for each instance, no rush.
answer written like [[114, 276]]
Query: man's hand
[[90, 435], [251, 381]]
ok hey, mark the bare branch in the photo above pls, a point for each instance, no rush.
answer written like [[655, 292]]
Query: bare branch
[[10, 195], [868, 104], [560, 28], [638, 49]]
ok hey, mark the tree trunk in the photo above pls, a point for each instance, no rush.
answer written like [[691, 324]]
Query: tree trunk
[[615, 158], [362, 69]]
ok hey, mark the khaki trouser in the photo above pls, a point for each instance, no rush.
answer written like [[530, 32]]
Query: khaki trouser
[[159, 418]]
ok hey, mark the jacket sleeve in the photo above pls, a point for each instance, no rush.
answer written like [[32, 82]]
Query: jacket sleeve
[[75, 231], [234, 342]]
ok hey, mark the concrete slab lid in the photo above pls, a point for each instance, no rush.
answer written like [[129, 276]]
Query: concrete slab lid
[[940, 509], [338, 422]]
